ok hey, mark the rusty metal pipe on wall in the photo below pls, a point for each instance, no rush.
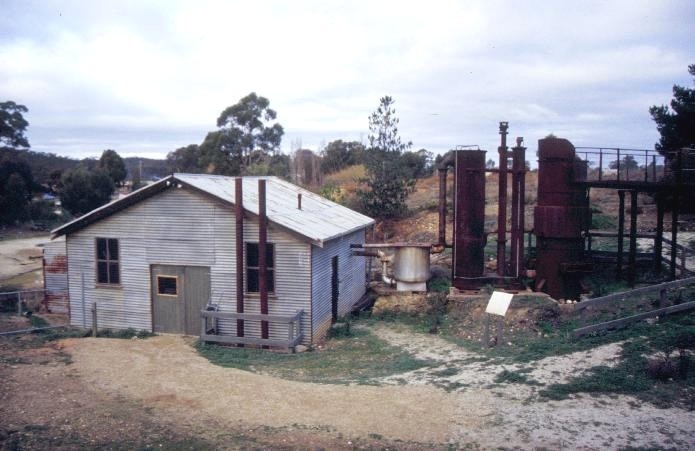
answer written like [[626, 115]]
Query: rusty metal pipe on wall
[[239, 222], [262, 263]]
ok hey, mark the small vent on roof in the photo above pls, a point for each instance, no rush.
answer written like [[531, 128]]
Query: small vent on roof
[[299, 201]]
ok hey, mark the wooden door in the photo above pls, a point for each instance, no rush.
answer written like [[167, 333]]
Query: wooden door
[[179, 293], [168, 300], [197, 296]]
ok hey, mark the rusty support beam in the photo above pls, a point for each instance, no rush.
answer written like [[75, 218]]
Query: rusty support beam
[[621, 231], [262, 263], [239, 237], [502, 202], [442, 207], [518, 210], [632, 258], [522, 204], [658, 239]]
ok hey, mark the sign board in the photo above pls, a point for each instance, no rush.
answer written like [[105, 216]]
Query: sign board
[[499, 303]]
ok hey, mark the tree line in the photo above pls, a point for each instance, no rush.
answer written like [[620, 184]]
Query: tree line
[[247, 142]]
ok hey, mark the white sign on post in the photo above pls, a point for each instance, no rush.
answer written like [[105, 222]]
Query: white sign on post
[[499, 303]]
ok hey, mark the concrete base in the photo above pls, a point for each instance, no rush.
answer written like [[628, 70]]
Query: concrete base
[[411, 286]]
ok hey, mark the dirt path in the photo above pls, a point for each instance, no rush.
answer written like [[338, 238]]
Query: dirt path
[[166, 372], [20, 256]]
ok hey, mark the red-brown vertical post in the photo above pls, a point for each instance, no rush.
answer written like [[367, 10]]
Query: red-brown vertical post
[[262, 263], [517, 242], [239, 222], [502, 203], [522, 202], [442, 206]]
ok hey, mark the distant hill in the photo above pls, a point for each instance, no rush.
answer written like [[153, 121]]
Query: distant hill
[[43, 164]]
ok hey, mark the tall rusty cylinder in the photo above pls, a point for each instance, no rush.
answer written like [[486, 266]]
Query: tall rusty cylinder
[[561, 214], [502, 203], [469, 218]]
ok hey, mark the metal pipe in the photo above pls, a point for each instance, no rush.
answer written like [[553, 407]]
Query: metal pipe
[[262, 263], [502, 202], [517, 231], [522, 204], [447, 161], [442, 207], [239, 222]]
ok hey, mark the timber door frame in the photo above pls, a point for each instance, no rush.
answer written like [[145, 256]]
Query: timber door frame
[[185, 288]]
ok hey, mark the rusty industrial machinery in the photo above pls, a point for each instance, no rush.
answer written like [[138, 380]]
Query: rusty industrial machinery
[[562, 213], [469, 236]]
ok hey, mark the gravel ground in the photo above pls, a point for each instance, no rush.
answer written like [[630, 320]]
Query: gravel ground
[[166, 373]]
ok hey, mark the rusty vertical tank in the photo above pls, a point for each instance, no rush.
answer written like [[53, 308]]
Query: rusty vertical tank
[[561, 214], [469, 218]]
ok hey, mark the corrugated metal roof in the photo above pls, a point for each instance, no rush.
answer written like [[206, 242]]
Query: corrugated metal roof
[[319, 220]]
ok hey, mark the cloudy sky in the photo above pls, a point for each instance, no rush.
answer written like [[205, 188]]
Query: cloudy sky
[[147, 77]]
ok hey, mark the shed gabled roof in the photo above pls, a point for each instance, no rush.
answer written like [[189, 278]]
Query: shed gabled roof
[[318, 221]]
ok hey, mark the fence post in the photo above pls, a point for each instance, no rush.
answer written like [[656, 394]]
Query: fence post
[[662, 298], [94, 319], [486, 335], [19, 303]]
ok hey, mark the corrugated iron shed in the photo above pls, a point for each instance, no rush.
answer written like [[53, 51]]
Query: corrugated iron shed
[[319, 220]]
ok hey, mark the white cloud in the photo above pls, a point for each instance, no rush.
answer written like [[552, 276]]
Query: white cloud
[[154, 76]]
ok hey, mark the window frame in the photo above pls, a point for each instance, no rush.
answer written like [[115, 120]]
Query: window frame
[[168, 276], [108, 261], [270, 268]]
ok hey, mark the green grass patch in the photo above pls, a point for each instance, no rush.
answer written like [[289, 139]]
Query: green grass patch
[[646, 347], [359, 358], [439, 284], [515, 377], [602, 221], [37, 321]]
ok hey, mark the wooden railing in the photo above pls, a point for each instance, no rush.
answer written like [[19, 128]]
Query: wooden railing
[[210, 329], [681, 251], [661, 288]]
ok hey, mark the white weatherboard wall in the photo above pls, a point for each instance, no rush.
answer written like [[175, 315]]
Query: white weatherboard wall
[[351, 279], [180, 227]]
